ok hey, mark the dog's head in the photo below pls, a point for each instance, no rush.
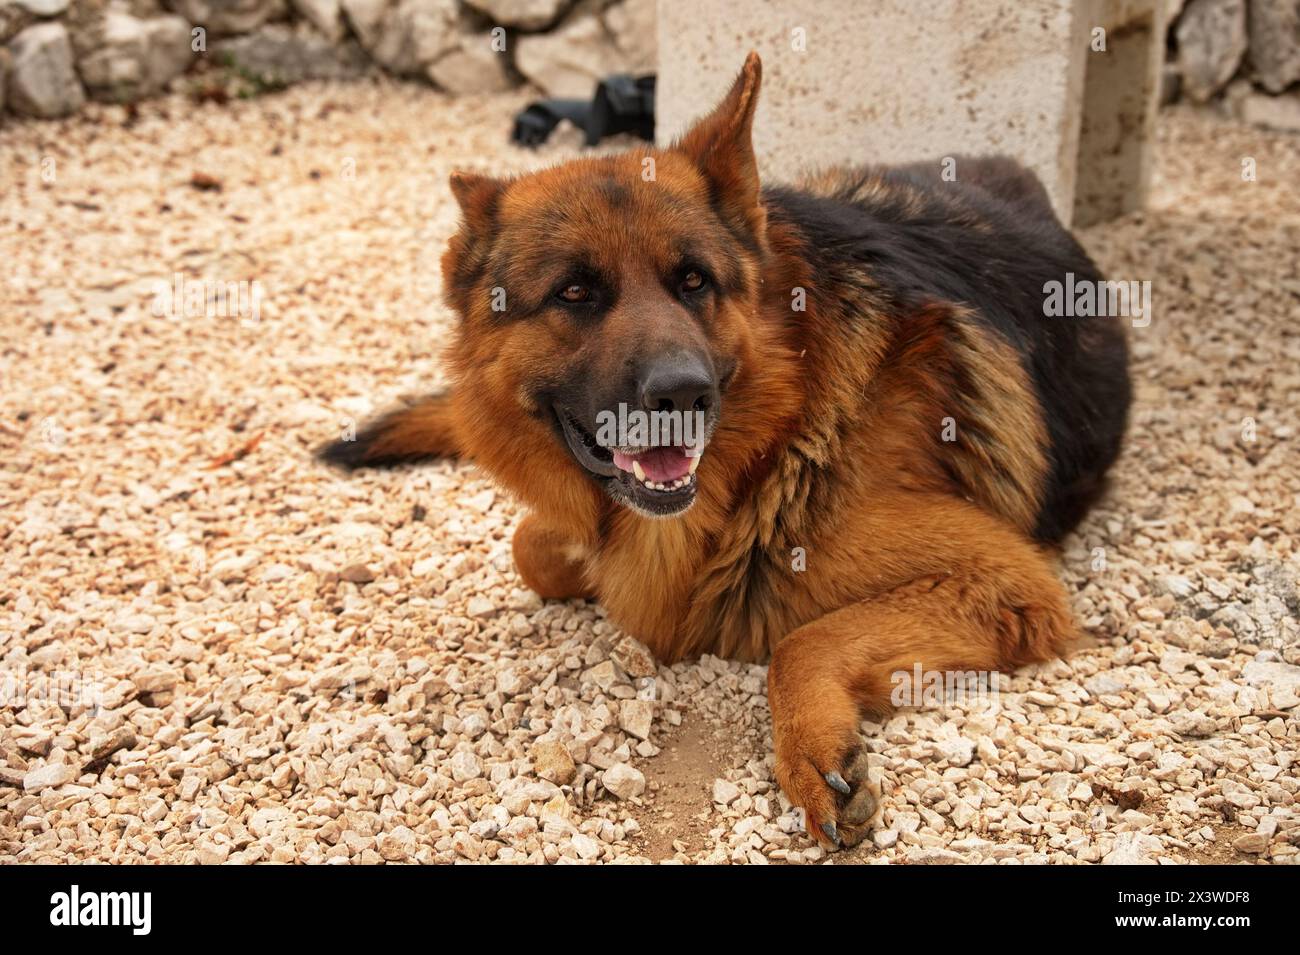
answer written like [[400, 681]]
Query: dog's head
[[606, 306]]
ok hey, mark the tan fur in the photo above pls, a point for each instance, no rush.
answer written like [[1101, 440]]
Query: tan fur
[[831, 445]]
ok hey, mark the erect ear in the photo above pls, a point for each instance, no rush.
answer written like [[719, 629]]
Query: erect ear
[[463, 260], [477, 196], [721, 146]]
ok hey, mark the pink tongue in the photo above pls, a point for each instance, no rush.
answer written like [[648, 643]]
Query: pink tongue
[[659, 464]]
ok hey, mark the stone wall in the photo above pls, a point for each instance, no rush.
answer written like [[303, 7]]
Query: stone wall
[[57, 54], [1242, 55]]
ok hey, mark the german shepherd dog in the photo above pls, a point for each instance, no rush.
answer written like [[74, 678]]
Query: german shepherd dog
[[892, 434]]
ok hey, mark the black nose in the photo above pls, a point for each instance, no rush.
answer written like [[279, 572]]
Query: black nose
[[680, 382]]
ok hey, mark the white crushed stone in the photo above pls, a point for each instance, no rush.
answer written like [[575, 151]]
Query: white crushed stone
[[295, 665]]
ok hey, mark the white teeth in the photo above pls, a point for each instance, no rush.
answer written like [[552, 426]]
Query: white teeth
[[681, 482], [639, 473]]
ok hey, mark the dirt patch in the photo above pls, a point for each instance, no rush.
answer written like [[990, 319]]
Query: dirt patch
[[1221, 851], [679, 817]]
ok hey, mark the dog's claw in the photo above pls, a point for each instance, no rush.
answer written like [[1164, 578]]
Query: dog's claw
[[836, 782], [838, 806]]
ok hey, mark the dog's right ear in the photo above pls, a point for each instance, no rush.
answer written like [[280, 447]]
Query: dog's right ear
[[477, 196], [722, 147]]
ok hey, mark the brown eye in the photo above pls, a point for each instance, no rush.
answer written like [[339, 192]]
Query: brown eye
[[575, 293], [693, 282]]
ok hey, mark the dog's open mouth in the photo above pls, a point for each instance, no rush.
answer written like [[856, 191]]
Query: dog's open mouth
[[654, 481], [659, 469]]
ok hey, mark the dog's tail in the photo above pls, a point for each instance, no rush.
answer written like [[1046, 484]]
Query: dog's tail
[[421, 431]]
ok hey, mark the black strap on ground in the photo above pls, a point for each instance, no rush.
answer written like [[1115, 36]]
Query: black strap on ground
[[621, 104]]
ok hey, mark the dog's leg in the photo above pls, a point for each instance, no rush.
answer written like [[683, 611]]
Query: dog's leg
[[549, 562], [971, 617], [421, 431]]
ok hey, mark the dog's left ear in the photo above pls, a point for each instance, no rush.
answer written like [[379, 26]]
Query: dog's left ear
[[477, 196], [722, 147]]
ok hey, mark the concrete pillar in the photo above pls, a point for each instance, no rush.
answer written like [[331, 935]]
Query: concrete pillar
[[884, 81], [1121, 95]]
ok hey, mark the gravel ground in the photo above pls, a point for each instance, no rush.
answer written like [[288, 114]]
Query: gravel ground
[[218, 651]]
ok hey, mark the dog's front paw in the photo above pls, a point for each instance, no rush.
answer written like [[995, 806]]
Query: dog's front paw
[[831, 787]]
